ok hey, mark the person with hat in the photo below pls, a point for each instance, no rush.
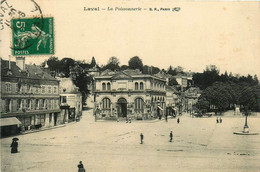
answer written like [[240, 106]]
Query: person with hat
[[14, 145]]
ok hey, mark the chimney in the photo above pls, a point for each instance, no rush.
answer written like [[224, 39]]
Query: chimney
[[9, 63], [20, 62]]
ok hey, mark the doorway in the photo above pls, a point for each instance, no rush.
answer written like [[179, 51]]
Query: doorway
[[122, 107]]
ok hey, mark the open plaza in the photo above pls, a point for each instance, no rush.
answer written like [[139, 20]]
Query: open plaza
[[199, 144]]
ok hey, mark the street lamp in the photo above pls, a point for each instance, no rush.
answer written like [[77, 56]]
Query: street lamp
[[246, 128]]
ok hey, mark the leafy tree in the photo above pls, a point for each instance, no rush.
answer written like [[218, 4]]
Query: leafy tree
[[53, 64], [172, 71], [124, 67], [135, 63], [250, 97], [65, 65], [112, 64]]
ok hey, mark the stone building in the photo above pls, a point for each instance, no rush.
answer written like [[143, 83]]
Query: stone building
[[70, 99], [28, 94], [129, 93]]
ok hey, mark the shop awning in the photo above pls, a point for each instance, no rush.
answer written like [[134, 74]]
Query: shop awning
[[9, 121], [160, 108]]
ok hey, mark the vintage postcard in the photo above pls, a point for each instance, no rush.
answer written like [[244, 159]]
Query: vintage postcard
[[129, 85]]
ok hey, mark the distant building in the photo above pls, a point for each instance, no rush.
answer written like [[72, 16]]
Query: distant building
[[191, 98], [184, 80], [70, 98], [28, 94], [129, 93]]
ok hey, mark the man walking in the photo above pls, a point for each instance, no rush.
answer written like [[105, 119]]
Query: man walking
[[142, 138], [171, 136], [178, 120]]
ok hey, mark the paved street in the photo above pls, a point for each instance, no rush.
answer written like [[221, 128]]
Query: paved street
[[199, 144]]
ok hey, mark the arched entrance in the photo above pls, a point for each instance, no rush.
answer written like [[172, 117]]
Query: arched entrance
[[122, 107]]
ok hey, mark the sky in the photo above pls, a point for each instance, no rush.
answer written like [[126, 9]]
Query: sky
[[225, 34]]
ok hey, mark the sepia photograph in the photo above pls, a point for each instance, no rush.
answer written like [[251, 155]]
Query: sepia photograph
[[129, 86]]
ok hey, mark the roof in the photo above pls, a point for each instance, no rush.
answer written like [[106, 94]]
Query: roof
[[126, 74], [30, 72], [171, 88], [9, 121]]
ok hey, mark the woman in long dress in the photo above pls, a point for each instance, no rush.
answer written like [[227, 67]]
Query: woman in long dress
[[14, 146]]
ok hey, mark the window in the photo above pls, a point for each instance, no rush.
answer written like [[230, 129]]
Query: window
[[8, 87], [108, 86], [16, 88], [37, 90], [37, 104], [141, 86], [49, 90], [54, 89], [49, 104], [23, 104], [103, 86], [136, 86], [28, 87], [106, 104], [43, 89], [8, 105], [19, 104], [28, 103], [139, 105], [63, 99]]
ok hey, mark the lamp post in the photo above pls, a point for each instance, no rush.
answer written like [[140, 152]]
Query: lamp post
[[246, 128]]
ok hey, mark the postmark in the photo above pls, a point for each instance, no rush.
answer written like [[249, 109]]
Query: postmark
[[32, 36]]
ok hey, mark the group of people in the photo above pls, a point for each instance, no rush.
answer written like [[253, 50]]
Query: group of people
[[219, 120], [142, 137]]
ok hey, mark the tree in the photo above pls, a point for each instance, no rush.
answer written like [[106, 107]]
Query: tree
[[124, 67], [207, 78], [135, 63], [65, 65], [171, 71], [112, 64], [53, 64], [250, 97]]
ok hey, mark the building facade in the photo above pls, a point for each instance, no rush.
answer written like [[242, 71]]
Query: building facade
[[70, 98], [129, 93], [28, 94]]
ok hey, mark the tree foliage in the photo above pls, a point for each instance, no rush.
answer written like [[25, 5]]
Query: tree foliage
[[112, 64], [135, 63]]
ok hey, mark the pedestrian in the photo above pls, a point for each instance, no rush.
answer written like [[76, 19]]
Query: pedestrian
[[142, 138], [81, 167], [178, 120], [220, 120], [171, 136], [166, 118], [126, 120], [14, 145], [129, 120], [217, 119]]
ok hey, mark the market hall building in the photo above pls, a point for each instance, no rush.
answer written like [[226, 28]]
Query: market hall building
[[29, 97], [129, 93]]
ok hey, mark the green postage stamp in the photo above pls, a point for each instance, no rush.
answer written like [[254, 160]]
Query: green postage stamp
[[32, 36]]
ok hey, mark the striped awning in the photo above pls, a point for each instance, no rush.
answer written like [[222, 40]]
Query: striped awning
[[9, 121]]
